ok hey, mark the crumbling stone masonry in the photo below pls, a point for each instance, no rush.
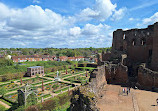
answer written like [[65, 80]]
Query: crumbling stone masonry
[[131, 49], [85, 97]]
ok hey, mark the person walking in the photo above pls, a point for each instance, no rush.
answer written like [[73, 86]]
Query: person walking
[[127, 92]]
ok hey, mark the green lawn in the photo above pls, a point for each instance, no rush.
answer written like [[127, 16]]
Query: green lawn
[[23, 66], [6, 102], [89, 68]]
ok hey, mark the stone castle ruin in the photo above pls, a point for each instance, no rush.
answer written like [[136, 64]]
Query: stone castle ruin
[[133, 59], [132, 62]]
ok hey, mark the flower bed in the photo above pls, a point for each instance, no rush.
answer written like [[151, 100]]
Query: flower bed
[[44, 96], [76, 79], [10, 87], [11, 97], [34, 81], [62, 89]]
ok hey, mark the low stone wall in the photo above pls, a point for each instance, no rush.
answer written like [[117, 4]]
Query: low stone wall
[[97, 80], [147, 79], [85, 98], [106, 56]]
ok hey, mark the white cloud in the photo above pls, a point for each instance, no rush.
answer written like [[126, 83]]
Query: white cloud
[[4, 11], [36, 27], [90, 29], [36, 1], [75, 31], [131, 19], [88, 14], [118, 14], [105, 9], [150, 20], [102, 10], [34, 17]]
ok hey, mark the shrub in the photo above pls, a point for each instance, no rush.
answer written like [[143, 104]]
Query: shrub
[[32, 108]]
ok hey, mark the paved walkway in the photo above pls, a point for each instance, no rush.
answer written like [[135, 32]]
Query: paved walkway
[[134, 99], [5, 105]]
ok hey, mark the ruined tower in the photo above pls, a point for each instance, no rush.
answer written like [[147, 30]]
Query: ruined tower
[[154, 63]]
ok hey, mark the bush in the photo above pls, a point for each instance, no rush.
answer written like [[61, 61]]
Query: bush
[[52, 104], [32, 108], [5, 62]]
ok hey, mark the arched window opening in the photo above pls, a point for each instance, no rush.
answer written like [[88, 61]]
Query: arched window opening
[[143, 41], [133, 42], [124, 37]]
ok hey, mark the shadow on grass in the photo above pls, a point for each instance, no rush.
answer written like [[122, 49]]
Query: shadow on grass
[[13, 106]]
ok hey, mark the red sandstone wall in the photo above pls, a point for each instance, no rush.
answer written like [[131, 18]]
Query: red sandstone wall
[[98, 80], [121, 74], [106, 56], [154, 63], [147, 78], [138, 53], [117, 74]]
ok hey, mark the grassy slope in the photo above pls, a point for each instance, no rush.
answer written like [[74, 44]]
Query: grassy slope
[[23, 68]]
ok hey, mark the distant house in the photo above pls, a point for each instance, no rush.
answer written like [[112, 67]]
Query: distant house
[[80, 58], [33, 71], [25, 58], [63, 58], [71, 58], [89, 59], [1, 56]]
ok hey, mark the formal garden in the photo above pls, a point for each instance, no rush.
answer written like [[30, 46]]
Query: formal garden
[[46, 85]]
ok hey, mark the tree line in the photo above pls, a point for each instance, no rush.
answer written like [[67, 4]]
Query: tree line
[[53, 51]]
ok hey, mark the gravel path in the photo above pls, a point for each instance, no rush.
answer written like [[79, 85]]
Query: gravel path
[[5, 105]]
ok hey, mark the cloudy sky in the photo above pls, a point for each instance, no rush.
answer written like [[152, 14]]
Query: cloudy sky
[[70, 23]]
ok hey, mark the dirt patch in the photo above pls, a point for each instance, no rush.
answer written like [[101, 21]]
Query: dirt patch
[[114, 101]]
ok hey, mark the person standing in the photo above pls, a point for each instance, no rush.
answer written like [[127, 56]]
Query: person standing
[[129, 89], [123, 90]]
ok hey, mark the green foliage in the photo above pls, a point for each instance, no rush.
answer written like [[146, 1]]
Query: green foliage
[[2, 108], [8, 70], [58, 103], [58, 52], [3, 91], [32, 99], [5, 62]]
